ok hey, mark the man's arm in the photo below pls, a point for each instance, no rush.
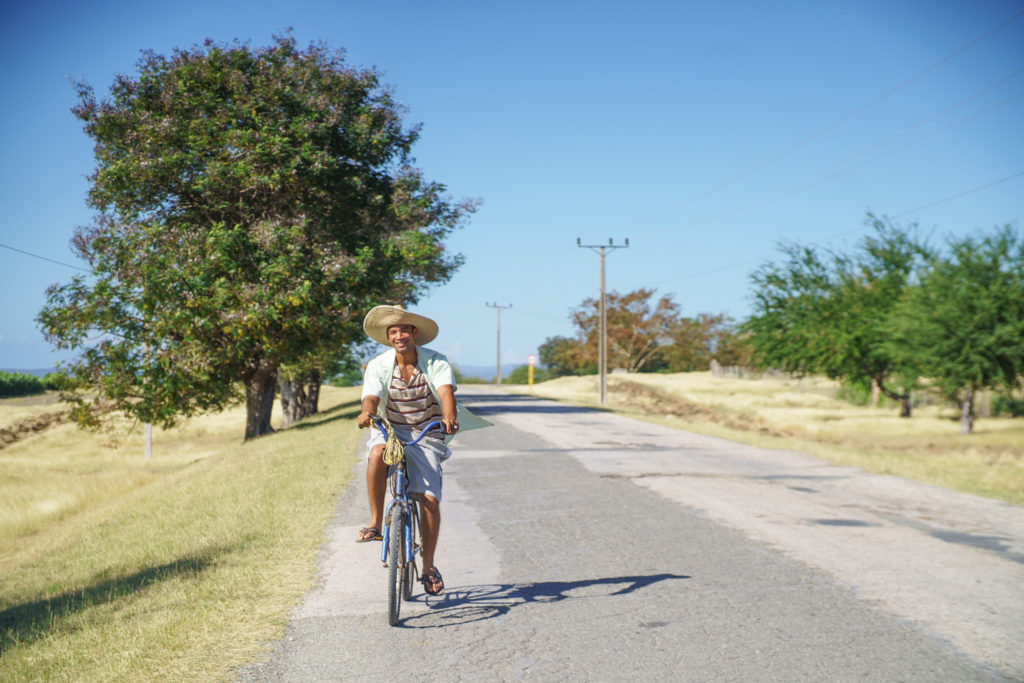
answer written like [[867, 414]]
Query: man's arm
[[447, 396], [370, 405]]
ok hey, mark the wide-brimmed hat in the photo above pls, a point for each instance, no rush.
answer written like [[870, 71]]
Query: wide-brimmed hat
[[380, 318]]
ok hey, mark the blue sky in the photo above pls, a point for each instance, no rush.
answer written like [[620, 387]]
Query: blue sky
[[706, 133]]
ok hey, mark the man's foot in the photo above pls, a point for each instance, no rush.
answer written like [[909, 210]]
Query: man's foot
[[433, 584], [368, 533]]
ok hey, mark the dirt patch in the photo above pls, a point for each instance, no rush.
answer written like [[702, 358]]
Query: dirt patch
[[646, 397], [29, 426]]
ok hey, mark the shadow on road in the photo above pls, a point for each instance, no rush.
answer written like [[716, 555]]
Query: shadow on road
[[466, 604], [492, 404]]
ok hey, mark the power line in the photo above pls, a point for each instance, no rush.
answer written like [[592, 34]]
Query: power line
[[950, 198], [44, 258], [862, 108], [810, 179], [961, 194]]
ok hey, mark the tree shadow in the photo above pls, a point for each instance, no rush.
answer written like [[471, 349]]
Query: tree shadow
[[466, 604], [491, 404], [25, 623], [342, 411]]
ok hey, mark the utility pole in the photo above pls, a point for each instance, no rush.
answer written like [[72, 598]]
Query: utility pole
[[602, 349], [499, 307]]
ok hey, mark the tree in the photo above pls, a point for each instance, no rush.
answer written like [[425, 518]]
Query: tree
[[565, 356], [962, 326], [521, 375], [829, 313], [694, 342], [635, 328], [251, 205]]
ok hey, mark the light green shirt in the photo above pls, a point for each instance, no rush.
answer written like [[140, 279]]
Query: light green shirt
[[434, 366]]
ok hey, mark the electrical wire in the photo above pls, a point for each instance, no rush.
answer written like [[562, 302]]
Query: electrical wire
[[44, 258], [860, 109]]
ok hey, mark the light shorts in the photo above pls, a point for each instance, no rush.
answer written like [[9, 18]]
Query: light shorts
[[423, 461]]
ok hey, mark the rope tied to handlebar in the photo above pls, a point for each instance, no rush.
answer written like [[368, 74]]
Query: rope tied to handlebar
[[393, 449]]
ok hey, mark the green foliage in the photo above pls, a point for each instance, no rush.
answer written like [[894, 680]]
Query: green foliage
[[829, 313], [251, 206], [962, 325], [20, 384], [564, 356], [1009, 406], [521, 375]]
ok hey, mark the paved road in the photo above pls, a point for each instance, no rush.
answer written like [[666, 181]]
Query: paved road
[[578, 545]]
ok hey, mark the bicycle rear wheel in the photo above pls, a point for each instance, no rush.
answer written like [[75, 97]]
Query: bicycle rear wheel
[[396, 562]]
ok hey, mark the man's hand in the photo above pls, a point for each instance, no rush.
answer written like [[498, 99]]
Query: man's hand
[[364, 419], [450, 425]]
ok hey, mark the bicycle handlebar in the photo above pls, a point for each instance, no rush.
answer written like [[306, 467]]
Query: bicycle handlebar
[[430, 427]]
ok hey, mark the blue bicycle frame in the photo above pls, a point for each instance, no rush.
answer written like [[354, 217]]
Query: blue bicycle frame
[[400, 496]]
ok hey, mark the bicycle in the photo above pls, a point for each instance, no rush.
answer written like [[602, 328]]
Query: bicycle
[[400, 546]]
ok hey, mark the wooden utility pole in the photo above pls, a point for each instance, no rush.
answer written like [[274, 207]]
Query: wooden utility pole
[[602, 348], [499, 307]]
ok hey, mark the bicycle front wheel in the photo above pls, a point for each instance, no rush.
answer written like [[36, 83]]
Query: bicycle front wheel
[[410, 567], [396, 562]]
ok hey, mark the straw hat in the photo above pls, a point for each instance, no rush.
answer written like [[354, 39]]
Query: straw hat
[[380, 318]]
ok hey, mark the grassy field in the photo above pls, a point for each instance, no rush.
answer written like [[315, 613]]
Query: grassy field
[[805, 415], [182, 566]]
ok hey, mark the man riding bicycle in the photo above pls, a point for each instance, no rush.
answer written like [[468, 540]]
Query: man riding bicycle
[[409, 385]]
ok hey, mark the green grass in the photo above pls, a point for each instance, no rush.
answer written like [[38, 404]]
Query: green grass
[[180, 567]]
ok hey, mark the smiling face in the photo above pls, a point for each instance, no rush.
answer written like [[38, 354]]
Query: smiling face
[[402, 337]]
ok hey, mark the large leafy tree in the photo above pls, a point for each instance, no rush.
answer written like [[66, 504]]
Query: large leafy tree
[[636, 326], [828, 313], [962, 326], [251, 205]]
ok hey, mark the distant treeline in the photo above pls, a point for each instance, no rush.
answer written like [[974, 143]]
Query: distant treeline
[[19, 384]]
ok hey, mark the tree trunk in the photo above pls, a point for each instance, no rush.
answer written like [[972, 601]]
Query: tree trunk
[[291, 401], [260, 385], [967, 412], [904, 399], [300, 397], [315, 379]]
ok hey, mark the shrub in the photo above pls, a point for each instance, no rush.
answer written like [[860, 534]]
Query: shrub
[[521, 375], [1005, 404], [20, 384]]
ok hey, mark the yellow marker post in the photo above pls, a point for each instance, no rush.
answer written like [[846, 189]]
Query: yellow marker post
[[531, 360]]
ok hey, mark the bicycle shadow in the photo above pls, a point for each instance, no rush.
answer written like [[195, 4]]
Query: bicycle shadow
[[466, 604]]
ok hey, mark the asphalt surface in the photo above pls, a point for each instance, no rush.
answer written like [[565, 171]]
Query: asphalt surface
[[578, 545]]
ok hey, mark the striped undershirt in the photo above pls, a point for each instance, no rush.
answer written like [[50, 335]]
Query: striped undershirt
[[412, 404]]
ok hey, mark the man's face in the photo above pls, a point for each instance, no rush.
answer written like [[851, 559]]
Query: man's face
[[402, 337]]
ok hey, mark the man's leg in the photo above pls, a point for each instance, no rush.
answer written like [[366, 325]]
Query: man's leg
[[430, 523], [376, 486]]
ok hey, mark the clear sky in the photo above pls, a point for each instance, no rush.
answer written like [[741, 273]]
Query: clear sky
[[706, 133]]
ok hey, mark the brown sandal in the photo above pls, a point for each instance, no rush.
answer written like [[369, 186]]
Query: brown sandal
[[369, 533]]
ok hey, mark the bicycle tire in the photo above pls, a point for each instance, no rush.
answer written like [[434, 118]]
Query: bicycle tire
[[410, 567], [396, 562]]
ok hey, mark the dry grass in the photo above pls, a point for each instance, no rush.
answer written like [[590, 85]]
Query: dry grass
[[180, 567], [805, 415]]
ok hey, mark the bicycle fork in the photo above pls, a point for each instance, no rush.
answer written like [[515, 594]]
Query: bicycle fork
[[403, 501]]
